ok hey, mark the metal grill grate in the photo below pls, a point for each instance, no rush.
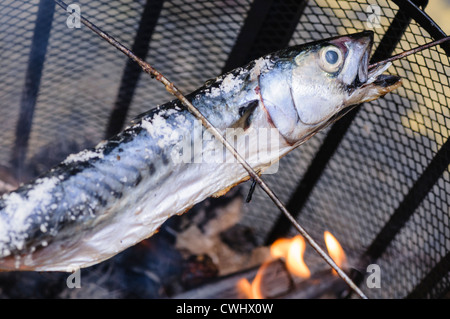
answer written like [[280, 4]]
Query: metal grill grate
[[378, 179]]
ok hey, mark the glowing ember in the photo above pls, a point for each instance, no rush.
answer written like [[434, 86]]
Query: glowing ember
[[334, 250], [292, 250]]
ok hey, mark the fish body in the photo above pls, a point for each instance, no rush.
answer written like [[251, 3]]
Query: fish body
[[101, 201]]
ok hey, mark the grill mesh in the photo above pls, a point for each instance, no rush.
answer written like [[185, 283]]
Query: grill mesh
[[384, 152], [190, 45], [16, 31]]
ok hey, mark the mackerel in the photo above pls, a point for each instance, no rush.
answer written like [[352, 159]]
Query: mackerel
[[103, 200]]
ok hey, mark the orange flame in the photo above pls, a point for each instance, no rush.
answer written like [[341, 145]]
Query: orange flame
[[292, 251], [252, 290], [334, 250]]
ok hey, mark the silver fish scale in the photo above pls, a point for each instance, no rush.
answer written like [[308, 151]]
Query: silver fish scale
[[79, 188], [84, 190]]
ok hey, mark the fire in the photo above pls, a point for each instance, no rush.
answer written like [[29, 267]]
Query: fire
[[280, 248], [334, 250], [292, 250], [253, 290]]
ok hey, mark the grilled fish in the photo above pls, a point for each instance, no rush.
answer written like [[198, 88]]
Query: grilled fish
[[100, 201]]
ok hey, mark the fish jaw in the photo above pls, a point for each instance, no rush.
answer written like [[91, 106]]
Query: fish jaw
[[377, 85]]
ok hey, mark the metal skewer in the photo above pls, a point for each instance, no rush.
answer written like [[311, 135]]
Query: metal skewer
[[409, 52]]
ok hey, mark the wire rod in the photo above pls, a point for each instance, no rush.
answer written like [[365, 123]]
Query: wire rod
[[409, 52]]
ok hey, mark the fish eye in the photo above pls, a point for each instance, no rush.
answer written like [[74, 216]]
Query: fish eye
[[331, 56], [331, 59]]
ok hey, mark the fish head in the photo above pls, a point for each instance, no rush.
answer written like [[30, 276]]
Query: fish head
[[309, 86]]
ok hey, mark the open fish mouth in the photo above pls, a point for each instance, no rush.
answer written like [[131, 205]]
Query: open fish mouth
[[379, 82], [367, 75], [371, 83], [376, 76]]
